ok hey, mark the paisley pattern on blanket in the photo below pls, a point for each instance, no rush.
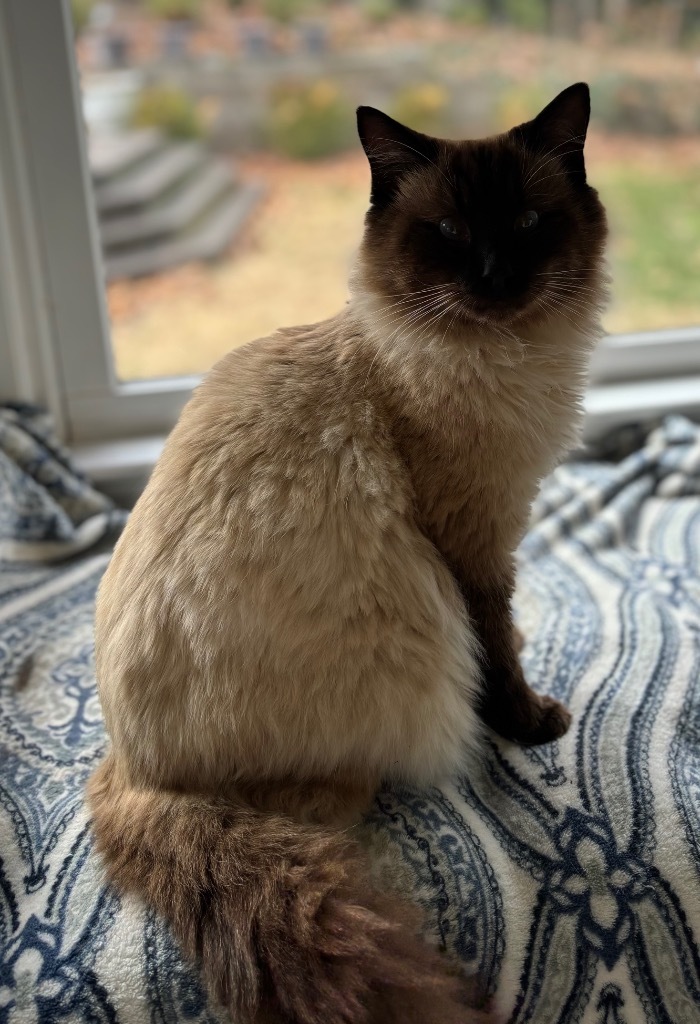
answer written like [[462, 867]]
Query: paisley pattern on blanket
[[566, 876]]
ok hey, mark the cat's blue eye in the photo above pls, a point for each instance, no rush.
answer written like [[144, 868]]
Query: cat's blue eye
[[527, 220], [455, 232]]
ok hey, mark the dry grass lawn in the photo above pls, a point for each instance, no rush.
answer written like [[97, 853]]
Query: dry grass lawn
[[292, 265]]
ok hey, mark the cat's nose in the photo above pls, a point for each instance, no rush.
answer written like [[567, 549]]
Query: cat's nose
[[496, 273]]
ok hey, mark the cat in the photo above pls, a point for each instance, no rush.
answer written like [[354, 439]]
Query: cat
[[312, 595]]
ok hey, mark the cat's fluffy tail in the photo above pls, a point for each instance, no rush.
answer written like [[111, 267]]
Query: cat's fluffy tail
[[279, 914]]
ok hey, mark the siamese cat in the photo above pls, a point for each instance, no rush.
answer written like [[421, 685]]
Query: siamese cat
[[312, 597]]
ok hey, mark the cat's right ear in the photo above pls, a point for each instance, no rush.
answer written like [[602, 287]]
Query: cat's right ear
[[560, 129], [392, 150]]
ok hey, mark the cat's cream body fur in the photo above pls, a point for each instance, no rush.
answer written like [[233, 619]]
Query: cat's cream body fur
[[275, 562], [278, 558]]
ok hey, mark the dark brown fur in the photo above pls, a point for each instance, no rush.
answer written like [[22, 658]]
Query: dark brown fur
[[278, 912], [483, 186]]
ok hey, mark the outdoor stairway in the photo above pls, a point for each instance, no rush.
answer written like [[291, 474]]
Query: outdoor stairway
[[162, 203]]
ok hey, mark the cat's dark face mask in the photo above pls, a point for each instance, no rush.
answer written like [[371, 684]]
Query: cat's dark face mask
[[492, 231]]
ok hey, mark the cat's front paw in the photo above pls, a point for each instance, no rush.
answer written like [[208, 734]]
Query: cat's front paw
[[529, 718], [549, 721]]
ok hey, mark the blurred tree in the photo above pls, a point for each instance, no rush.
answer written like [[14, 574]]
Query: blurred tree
[[175, 10], [532, 15], [471, 12], [170, 110], [81, 11], [379, 11], [284, 11], [309, 120], [615, 11], [424, 107]]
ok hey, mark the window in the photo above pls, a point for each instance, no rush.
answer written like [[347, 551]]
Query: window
[[292, 69]]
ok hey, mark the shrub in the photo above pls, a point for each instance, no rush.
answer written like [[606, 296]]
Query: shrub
[[468, 12], [518, 102], [640, 106], [310, 120], [379, 11], [528, 14], [169, 109], [175, 9], [81, 11], [422, 107], [284, 11]]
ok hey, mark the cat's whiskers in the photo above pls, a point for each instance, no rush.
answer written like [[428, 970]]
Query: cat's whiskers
[[568, 285], [406, 303], [425, 307], [434, 320], [416, 291], [573, 298], [420, 335], [401, 322], [552, 155], [407, 329], [416, 313], [403, 298], [567, 273], [559, 308], [573, 289], [575, 280], [394, 142], [581, 306], [546, 177], [571, 286], [502, 332], [408, 326], [456, 305], [543, 305], [566, 141]]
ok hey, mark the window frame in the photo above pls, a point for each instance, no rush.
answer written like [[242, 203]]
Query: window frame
[[49, 235], [54, 335]]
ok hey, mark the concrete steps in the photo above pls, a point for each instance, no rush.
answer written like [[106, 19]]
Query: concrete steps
[[204, 241], [163, 203], [111, 154]]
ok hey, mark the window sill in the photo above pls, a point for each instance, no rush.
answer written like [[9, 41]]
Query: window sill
[[120, 468], [616, 405]]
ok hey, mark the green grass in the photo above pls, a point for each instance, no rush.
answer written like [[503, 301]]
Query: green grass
[[655, 245]]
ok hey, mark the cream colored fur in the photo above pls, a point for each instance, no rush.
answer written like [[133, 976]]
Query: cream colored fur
[[274, 609]]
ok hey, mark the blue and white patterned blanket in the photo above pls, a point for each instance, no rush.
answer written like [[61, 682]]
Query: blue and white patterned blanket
[[568, 875]]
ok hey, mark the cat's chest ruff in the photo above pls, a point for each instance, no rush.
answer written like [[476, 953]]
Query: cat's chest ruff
[[520, 414]]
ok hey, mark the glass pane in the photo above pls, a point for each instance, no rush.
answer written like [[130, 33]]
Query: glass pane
[[231, 188]]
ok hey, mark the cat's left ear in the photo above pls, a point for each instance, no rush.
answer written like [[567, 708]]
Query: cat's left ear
[[560, 129], [393, 150]]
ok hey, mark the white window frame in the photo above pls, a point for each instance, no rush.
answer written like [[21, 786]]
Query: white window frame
[[54, 334]]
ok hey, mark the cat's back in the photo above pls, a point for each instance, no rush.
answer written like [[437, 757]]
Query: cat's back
[[279, 434], [281, 430], [273, 550]]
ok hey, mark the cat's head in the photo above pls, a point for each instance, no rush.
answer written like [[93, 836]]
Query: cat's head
[[498, 231]]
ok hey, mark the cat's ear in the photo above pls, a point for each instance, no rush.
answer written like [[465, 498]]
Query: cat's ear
[[560, 129], [392, 150]]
